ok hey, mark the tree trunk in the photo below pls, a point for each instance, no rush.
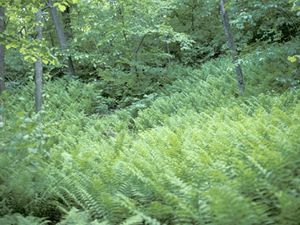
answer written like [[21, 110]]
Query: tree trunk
[[38, 66], [61, 36], [231, 45], [2, 51], [193, 16], [136, 53]]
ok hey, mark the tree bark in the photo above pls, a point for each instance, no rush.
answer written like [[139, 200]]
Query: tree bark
[[231, 45], [61, 36], [2, 51], [39, 66]]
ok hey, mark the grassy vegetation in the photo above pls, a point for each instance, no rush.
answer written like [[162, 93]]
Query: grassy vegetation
[[195, 153]]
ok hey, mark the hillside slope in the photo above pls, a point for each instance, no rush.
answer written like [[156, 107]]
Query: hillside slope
[[196, 154]]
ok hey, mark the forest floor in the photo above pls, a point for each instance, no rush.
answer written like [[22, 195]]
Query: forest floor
[[196, 153]]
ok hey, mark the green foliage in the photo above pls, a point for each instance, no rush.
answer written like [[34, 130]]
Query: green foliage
[[140, 138], [17, 219], [75, 217], [269, 21], [131, 46], [119, 90], [193, 153], [135, 34]]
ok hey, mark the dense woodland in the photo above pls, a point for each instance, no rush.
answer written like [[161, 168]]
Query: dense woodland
[[174, 112]]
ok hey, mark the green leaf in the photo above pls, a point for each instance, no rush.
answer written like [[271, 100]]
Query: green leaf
[[292, 59], [61, 7]]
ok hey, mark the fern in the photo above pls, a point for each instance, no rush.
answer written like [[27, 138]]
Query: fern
[[195, 155], [21, 220]]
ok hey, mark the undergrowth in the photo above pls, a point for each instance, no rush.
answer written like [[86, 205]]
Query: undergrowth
[[195, 153]]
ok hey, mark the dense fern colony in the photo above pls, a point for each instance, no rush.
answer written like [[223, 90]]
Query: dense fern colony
[[193, 154]]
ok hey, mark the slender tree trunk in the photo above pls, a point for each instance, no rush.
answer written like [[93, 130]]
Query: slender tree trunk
[[121, 13], [38, 65], [231, 45], [61, 36], [169, 52], [136, 53], [2, 51], [193, 16]]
